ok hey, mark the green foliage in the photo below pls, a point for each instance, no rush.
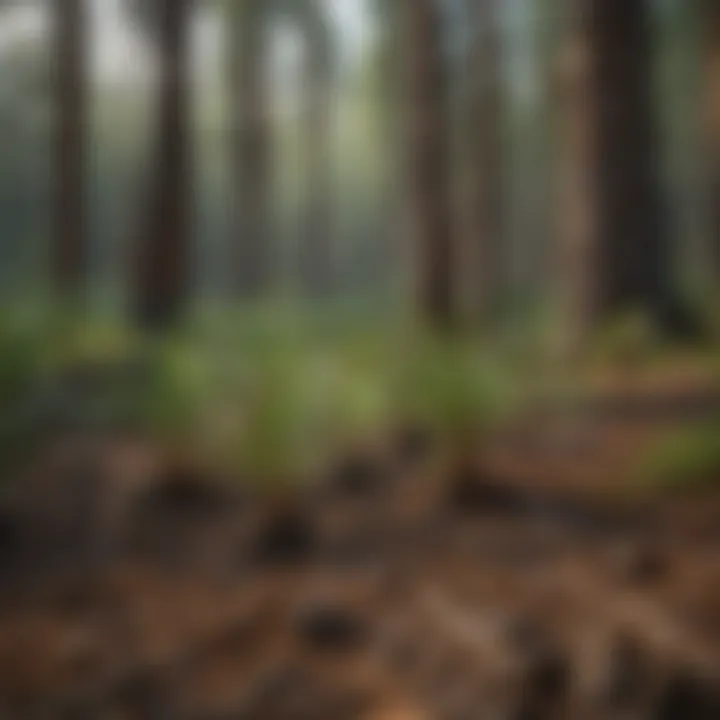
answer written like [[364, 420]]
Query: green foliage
[[253, 411], [262, 393], [632, 340], [688, 458], [268, 394], [20, 358], [20, 373], [58, 373], [705, 306], [454, 389]]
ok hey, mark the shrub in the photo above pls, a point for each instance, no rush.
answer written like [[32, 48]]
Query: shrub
[[631, 340], [453, 389]]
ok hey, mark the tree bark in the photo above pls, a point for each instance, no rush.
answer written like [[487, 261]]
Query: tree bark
[[614, 251], [163, 270], [316, 259], [576, 279], [486, 145], [428, 159], [251, 147], [712, 125], [633, 258], [68, 254]]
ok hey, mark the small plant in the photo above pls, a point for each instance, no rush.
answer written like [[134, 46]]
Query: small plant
[[454, 390], [252, 411], [631, 340], [362, 393], [285, 423], [460, 394]]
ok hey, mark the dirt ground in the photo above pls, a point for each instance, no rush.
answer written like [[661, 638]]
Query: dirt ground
[[537, 587]]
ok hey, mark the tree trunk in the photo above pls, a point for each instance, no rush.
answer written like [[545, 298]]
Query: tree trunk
[[712, 125], [68, 254], [633, 259], [542, 154], [615, 252], [316, 259], [576, 278], [486, 146], [163, 262], [428, 159], [250, 147]]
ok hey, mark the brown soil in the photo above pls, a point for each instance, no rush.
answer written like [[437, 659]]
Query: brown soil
[[536, 586]]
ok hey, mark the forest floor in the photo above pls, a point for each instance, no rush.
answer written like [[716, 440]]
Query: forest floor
[[544, 586]]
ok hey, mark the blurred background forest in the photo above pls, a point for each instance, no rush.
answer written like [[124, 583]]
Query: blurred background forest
[[359, 359], [358, 153]]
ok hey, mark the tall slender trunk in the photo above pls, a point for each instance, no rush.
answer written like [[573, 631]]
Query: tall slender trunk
[[712, 125], [163, 258], [575, 278], [428, 159], [316, 248], [250, 147], [543, 152], [68, 254], [486, 146]]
